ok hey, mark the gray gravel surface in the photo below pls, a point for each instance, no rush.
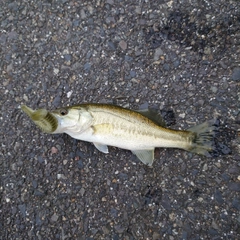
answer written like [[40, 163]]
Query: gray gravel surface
[[181, 55]]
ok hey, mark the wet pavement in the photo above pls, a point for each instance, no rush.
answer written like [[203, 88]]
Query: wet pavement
[[180, 57]]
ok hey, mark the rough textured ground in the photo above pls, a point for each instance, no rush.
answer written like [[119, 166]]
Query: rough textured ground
[[172, 55]]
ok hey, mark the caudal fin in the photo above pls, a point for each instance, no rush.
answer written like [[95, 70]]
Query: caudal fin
[[203, 142]]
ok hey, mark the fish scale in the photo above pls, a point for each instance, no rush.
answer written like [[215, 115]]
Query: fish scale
[[123, 126]]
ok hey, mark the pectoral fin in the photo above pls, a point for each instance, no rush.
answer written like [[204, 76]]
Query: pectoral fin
[[146, 156], [101, 147]]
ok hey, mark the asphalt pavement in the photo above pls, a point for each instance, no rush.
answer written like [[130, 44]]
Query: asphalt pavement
[[180, 57]]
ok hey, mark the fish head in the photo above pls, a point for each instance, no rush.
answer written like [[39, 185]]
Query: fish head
[[68, 119], [71, 120]]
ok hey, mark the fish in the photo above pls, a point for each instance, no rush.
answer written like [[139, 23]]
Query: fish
[[140, 131]]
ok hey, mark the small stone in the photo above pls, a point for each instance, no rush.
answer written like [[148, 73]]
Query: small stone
[[56, 101], [223, 65], [132, 73], [214, 225], [111, 46], [176, 63], [17, 146], [22, 208], [207, 50], [54, 217], [234, 186], [60, 176], [76, 66], [142, 21], [82, 191], [56, 71], [82, 14], [104, 199], [182, 115], [80, 164], [110, 2], [138, 10], [25, 97], [34, 184], [5, 83], [9, 67], [87, 67], [54, 150], [172, 216], [119, 228], [156, 236], [68, 57], [76, 23], [214, 89], [65, 51], [236, 74], [166, 67], [157, 54], [128, 58], [218, 197], [123, 45], [236, 203], [205, 167], [69, 94], [38, 193], [190, 209], [105, 230]]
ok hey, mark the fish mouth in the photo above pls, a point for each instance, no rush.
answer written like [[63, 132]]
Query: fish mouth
[[44, 119]]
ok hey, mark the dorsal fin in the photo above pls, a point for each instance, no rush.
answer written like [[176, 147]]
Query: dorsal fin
[[153, 115]]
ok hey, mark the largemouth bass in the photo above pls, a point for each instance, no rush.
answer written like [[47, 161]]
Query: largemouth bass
[[108, 125]]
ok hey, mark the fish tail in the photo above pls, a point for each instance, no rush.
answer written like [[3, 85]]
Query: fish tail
[[203, 138]]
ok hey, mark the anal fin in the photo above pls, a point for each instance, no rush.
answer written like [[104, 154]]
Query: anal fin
[[101, 147], [146, 156]]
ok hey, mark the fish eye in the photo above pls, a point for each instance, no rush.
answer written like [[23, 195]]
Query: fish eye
[[63, 112]]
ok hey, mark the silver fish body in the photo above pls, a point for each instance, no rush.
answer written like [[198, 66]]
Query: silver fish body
[[107, 125]]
